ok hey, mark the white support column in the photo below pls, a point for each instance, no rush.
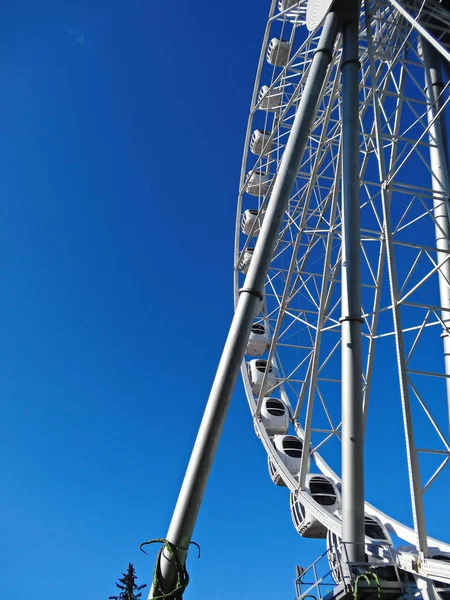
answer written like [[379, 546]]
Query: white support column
[[440, 182], [352, 397]]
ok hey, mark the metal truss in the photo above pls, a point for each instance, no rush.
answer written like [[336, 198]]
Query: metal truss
[[405, 259]]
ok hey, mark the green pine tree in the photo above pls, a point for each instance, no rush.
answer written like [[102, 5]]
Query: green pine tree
[[129, 590]]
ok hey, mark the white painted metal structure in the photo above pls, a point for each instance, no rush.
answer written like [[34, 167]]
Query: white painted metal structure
[[405, 263], [274, 416], [325, 492], [258, 340]]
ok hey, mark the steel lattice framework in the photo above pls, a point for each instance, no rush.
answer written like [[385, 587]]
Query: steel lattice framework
[[405, 259], [345, 238]]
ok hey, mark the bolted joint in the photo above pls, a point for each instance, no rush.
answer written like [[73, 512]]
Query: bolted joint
[[350, 318], [252, 292]]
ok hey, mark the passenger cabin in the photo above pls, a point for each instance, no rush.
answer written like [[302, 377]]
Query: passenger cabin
[[257, 183], [258, 340], [377, 549], [274, 416], [256, 370], [376, 531], [250, 222], [442, 589], [436, 554], [373, 529], [289, 449], [259, 307], [324, 491], [286, 4], [260, 143], [278, 52], [245, 260], [270, 99]]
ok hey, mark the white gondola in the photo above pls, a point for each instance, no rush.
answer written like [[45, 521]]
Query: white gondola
[[258, 340], [250, 217], [256, 183], [259, 310], [274, 416], [443, 589], [410, 551], [245, 260], [324, 492], [278, 52], [256, 370], [377, 549], [260, 142], [274, 475], [286, 4], [289, 449], [270, 99], [334, 556], [376, 531], [436, 554]]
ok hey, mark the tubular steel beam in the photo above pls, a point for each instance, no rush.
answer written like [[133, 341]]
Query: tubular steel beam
[[197, 473], [440, 182], [351, 321]]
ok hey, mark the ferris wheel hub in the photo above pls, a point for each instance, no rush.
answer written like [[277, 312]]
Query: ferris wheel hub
[[316, 11]]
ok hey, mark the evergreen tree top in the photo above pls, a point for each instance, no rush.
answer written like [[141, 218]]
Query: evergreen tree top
[[129, 590]]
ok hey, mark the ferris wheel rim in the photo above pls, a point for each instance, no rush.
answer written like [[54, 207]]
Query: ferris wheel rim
[[271, 452]]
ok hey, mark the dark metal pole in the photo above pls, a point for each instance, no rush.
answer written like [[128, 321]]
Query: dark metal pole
[[352, 400]]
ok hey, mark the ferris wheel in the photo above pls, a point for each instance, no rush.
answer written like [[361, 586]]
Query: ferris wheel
[[342, 295], [297, 362]]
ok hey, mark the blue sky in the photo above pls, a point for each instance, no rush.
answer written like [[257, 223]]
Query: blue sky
[[120, 147]]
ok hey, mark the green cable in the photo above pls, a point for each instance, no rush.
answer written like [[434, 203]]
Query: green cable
[[367, 575], [182, 574]]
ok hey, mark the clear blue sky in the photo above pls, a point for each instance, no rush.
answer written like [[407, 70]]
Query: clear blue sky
[[121, 135]]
